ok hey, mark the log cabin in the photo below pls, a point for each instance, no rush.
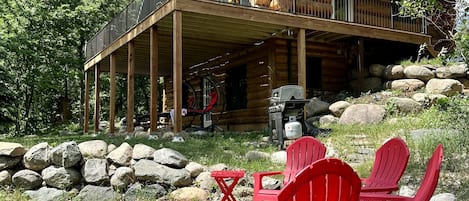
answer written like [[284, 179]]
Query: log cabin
[[244, 49]]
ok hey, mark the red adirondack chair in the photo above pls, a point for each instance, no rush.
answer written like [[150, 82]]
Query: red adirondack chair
[[427, 187], [327, 179], [389, 165], [300, 154]]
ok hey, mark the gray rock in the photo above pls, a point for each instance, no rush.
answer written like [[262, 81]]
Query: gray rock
[[7, 162], [338, 107], [418, 72], [97, 193], [47, 194], [121, 155], [11, 149], [205, 181], [405, 105], [194, 168], [66, 154], [363, 114], [60, 177], [37, 158], [271, 183], [372, 84], [110, 148], [27, 179], [142, 151], [254, 155], [316, 106], [94, 171], [5, 177], [169, 157], [393, 72], [138, 191], [218, 167], [453, 71], [328, 119], [111, 169], [279, 157], [93, 149], [122, 178], [406, 191], [147, 170], [376, 70], [189, 193], [447, 87], [404, 84], [444, 197]]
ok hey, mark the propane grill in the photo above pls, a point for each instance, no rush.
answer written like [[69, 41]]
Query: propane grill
[[286, 115]]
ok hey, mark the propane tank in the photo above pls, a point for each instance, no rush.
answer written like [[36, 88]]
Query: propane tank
[[293, 129]]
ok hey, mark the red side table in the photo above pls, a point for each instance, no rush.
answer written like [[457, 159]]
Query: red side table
[[226, 189]]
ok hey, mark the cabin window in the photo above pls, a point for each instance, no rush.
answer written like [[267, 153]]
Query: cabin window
[[313, 72], [236, 88]]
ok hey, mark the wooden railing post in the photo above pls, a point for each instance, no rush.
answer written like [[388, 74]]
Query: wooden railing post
[[97, 72], [87, 102], [130, 87], [177, 70], [112, 95]]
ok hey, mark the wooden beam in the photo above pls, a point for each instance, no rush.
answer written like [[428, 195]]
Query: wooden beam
[[301, 45], [130, 86], [177, 70], [153, 78], [112, 86], [87, 102], [299, 21], [97, 73], [361, 63]]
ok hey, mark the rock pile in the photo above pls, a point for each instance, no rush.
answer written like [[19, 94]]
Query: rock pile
[[94, 170]]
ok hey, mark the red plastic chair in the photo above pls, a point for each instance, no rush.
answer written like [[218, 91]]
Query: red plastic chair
[[300, 154], [427, 187], [325, 180], [389, 166]]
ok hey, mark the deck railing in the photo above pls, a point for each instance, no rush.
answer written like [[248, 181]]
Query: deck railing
[[380, 13]]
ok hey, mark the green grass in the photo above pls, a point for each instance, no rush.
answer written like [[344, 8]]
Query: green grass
[[231, 147]]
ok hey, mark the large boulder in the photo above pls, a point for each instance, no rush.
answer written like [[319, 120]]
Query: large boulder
[[46, 194], [447, 87], [66, 154], [37, 158], [94, 171], [170, 157], [7, 162], [147, 170], [60, 177], [377, 70], [405, 105], [316, 106], [362, 114], [194, 168], [453, 71], [328, 119], [93, 149], [189, 193], [254, 155], [142, 151], [279, 157], [393, 72], [122, 155], [27, 179], [418, 72], [205, 181], [5, 177], [97, 193], [11, 149], [404, 84], [444, 197], [138, 191], [338, 107], [122, 178]]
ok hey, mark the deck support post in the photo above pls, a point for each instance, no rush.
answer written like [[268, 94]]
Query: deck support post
[[301, 45], [361, 63], [130, 87], [177, 70], [112, 94], [87, 102], [153, 78], [97, 72]]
